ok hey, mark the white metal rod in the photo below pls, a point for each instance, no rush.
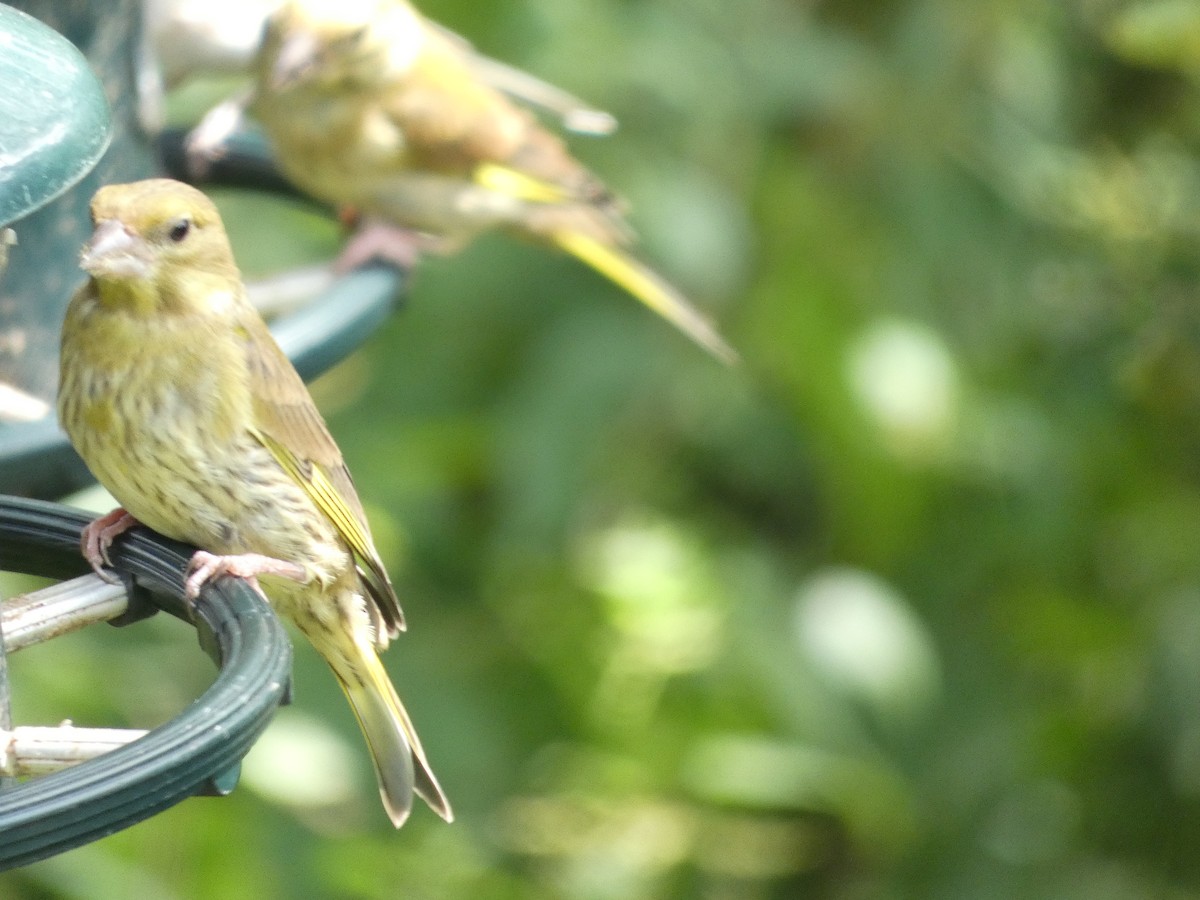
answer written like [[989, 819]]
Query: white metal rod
[[60, 609], [38, 750]]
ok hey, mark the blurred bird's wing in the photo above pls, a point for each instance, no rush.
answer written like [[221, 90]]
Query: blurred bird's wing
[[290, 427], [454, 122], [573, 114]]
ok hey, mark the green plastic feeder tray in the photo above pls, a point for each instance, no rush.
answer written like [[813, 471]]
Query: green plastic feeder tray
[[198, 750]]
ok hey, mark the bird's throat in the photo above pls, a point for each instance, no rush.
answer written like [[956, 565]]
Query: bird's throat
[[135, 296]]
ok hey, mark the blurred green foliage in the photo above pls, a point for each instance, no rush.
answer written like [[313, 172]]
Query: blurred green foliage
[[907, 605]]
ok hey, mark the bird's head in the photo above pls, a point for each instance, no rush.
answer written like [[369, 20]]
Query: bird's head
[[153, 239], [334, 45]]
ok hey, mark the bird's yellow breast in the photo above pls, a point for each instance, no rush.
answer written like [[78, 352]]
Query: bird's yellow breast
[[155, 410]]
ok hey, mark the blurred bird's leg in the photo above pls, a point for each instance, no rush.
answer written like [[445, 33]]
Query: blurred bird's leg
[[206, 566], [378, 239], [206, 143], [422, 212], [98, 536]]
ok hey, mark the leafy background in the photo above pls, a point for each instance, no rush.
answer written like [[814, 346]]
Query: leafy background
[[906, 605]]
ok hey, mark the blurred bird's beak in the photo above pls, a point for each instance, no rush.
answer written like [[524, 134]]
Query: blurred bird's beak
[[297, 57], [115, 252]]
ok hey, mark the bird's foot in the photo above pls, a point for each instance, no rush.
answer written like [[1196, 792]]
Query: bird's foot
[[206, 566], [375, 239], [98, 536]]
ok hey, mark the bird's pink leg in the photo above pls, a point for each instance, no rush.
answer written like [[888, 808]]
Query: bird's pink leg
[[377, 239], [98, 536], [206, 566]]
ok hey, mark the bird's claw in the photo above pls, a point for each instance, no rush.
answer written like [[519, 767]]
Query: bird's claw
[[105, 575], [98, 535], [376, 240], [205, 566]]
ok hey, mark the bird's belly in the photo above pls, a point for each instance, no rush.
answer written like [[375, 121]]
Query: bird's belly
[[334, 156], [177, 467]]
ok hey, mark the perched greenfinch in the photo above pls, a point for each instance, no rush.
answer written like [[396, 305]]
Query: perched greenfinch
[[183, 406], [181, 38], [370, 106]]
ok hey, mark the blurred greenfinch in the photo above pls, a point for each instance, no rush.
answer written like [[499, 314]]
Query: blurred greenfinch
[[370, 106], [182, 405]]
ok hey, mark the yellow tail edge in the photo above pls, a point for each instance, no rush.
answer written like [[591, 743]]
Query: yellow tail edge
[[649, 287], [400, 762]]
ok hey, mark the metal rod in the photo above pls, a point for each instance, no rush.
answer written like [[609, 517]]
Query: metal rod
[[5, 709], [33, 750], [59, 609]]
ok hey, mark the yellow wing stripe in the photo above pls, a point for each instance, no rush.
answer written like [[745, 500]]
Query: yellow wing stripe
[[313, 480], [516, 184]]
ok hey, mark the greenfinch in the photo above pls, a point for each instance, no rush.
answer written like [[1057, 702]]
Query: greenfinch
[[181, 38], [370, 106], [184, 407]]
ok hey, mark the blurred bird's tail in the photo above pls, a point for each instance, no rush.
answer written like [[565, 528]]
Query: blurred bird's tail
[[647, 286], [400, 762]]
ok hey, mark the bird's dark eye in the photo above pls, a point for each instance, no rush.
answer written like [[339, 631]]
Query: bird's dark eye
[[180, 230]]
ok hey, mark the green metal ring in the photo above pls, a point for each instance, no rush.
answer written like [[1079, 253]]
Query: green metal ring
[[188, 755]]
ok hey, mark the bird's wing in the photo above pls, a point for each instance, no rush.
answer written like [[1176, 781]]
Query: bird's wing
[[454, 122], [573, 114], [290, 427]]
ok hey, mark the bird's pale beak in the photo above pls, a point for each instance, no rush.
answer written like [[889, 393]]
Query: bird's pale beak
[[296, 58], [115, 252]]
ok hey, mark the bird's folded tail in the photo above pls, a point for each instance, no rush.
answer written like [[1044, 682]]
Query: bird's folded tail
[[647, 286], [400, 763], [604, 255]]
